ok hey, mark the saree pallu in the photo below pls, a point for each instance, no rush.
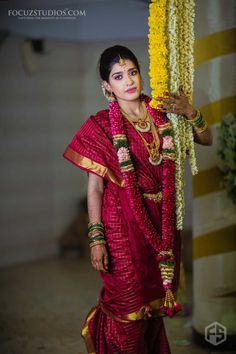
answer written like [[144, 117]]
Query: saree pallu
[[127, 318]]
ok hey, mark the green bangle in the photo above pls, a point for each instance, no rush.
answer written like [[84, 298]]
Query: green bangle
[[99, 228], [198, 121], [95, 227], [96, 238]]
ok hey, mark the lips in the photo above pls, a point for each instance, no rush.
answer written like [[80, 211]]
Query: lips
[[131, 90]]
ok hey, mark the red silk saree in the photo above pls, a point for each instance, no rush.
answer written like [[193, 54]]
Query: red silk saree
[[127, 318]]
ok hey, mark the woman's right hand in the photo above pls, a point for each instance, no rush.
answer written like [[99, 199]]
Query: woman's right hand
[[99, 258]]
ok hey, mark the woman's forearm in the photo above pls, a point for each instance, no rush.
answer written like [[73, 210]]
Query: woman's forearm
[[94, 197], [204, 138], [99, 255]]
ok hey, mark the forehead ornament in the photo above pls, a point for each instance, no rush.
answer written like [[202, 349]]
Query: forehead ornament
[[121, 61]]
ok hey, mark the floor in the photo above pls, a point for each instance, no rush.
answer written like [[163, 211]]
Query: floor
[[43, 305]]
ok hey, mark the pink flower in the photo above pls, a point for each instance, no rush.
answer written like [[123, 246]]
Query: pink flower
[[123, 154], [168, 142]]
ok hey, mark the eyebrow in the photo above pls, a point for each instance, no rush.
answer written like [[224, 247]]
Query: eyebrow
[[121, 72]]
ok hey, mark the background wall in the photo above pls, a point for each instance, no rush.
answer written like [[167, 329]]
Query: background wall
[[40, 113], [214, 215]]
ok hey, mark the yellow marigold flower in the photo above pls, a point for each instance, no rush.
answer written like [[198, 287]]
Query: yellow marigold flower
[[171, 38]]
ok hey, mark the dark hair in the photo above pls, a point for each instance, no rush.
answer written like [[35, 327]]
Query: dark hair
[[111, 56]]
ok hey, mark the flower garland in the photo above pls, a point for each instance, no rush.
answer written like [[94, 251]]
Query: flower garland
[[177, 120], [158, 50], [171, 38], [161, 245]]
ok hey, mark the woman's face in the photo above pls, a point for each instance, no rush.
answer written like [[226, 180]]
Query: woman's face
[[124, 81]]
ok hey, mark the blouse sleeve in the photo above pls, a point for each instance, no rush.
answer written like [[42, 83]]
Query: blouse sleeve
[[92, 150]]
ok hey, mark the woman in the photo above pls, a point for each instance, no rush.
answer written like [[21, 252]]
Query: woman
[[129, 154]]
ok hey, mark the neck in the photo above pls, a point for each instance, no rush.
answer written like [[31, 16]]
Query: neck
[[133, 108]]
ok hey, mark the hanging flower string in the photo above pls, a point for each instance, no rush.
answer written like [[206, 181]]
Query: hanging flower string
[[171, 38], [177, 120], [163, 246], [158, 50]]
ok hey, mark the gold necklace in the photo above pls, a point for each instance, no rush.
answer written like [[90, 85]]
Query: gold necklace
[[143, 125], [155, 157]]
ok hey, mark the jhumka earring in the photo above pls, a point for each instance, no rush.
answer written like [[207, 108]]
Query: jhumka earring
[[109, 95]]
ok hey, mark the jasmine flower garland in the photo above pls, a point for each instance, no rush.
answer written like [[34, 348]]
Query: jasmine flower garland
[[171, 38]]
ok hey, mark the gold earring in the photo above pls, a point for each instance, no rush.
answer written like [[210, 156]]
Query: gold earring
[[109, 95]]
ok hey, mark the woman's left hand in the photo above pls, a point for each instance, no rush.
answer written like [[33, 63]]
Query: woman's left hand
[[177, 104]]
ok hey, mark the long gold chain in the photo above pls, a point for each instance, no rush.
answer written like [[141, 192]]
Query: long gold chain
[[153, 147]]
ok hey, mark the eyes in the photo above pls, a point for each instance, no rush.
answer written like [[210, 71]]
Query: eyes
[[132, 72]]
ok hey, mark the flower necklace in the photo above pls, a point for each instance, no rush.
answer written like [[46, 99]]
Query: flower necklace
[[163, 246], [143, 125]]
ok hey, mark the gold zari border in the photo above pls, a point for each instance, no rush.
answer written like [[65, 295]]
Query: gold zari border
[[155, 197], [146, 311], [85, 332], [164, 127], [93, 166]]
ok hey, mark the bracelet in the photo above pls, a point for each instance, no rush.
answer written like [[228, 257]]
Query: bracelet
[[98, 223], [96, 227], [95, 243], [95, 233], [95, 238], [201, 130], [198, 121]]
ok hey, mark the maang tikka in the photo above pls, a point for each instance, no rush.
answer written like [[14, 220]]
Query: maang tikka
[[121, 61]]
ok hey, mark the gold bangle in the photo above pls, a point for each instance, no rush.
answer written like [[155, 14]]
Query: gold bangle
[[95, 233], [198, 121], [192, 120], [201, 130], [95, 243], [95, 223]]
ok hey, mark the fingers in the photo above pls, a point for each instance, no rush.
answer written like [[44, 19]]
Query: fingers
[[99, 259], [168, 108], [98, 265], [167, 100], [181, 90], [172, 103], [170, 97], [170, 94]]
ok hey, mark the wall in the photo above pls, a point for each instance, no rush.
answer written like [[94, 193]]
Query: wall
[[214, 215], [41, 108]]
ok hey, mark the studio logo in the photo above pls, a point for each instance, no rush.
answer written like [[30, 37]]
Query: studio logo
[[46, 14], [215, 333]]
